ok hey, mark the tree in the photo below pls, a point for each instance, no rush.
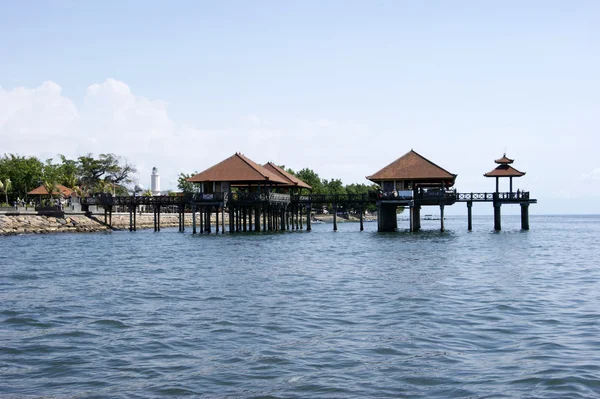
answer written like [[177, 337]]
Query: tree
[[108, 167], [5, 187], [185, 186], [25, 173], [312, 179]]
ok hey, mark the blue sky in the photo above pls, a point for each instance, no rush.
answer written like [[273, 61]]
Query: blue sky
[[340, 87]]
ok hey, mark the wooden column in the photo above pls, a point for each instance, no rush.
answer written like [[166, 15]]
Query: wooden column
[[244, 225], [441, 217], [497, 217], [217, 220], [300, 214], [525, 216], [308, 214], [470, 215], [264, 217], [201, 217], [208, 214], [497, 184], [131, 217], [334, 216], [250, 218], [223, 219], [231, 219], [154, 216], [360, 209], [193, 218]]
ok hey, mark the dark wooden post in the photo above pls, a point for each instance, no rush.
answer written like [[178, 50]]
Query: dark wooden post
[[335, 214], [250, 218], [208, 215], [264, 217], [497, 216], [244, 211], [134, 217], [360, 209], [154, 216], [158, 218], [217, 219], [308, 213], [525, 216], [193, 218], [470, 215], [301, 218], [441, 217], [201, 216], [130, 217]]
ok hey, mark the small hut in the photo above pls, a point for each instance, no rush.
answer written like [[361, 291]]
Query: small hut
[[60, 190]]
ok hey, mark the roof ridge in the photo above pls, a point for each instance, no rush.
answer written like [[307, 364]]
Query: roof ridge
[[433, 163], [249, 163]]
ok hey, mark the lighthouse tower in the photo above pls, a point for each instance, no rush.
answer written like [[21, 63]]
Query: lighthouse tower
[[155, 182]]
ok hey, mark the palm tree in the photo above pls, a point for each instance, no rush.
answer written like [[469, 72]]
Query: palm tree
[[5, 187]]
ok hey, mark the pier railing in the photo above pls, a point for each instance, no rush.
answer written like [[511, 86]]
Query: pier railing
[[490, 197]]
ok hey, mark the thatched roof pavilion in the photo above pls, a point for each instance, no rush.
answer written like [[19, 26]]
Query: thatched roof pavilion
[[236, 170], [410, 170]]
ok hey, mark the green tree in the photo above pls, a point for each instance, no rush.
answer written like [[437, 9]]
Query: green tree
[[25, 173], [311, 178], [107, 167], [5, 187], [185, 186]]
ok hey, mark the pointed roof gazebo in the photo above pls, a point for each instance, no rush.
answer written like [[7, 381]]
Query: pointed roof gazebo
[[238, 169], [504, 170], [414, 167], [294, 182], [60, 189]]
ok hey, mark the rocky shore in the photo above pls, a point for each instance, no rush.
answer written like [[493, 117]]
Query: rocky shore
[[35, 224]]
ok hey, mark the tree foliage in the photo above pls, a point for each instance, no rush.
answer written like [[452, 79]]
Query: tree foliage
[[86, 174]]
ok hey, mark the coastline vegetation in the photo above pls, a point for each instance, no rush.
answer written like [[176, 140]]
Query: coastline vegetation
[[84, 175]]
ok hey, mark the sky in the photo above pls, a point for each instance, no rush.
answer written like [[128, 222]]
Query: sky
[[341, 87]]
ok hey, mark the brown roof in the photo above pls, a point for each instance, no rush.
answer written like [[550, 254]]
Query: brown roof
[[237, 169], [504, 160], [504, 171], [412, 166], [41, 190], [293, 180]]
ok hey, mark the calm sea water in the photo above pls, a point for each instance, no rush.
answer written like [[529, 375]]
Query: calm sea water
[[305, 315]]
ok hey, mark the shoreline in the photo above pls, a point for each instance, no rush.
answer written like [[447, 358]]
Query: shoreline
[[17, 224]]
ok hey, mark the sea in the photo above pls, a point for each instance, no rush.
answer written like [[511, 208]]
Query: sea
[[297, 314]]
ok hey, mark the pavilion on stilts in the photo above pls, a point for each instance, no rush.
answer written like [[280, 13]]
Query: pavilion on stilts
[[248, 192]]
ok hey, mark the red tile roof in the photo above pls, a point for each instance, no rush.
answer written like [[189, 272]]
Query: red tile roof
[[237, 169], [504, 160], [293, 180], [504, 171], [412, 166], [41, 190]]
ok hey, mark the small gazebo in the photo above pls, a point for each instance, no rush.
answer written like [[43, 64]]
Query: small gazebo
[[59, 190], [504, 169]]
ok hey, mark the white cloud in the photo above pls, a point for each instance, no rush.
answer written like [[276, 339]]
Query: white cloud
[[594, 175], [111, 118]]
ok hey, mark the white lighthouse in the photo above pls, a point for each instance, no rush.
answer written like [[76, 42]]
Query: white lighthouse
[[155, 182]]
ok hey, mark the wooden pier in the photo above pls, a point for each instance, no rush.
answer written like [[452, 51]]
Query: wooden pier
[[266, 198]]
